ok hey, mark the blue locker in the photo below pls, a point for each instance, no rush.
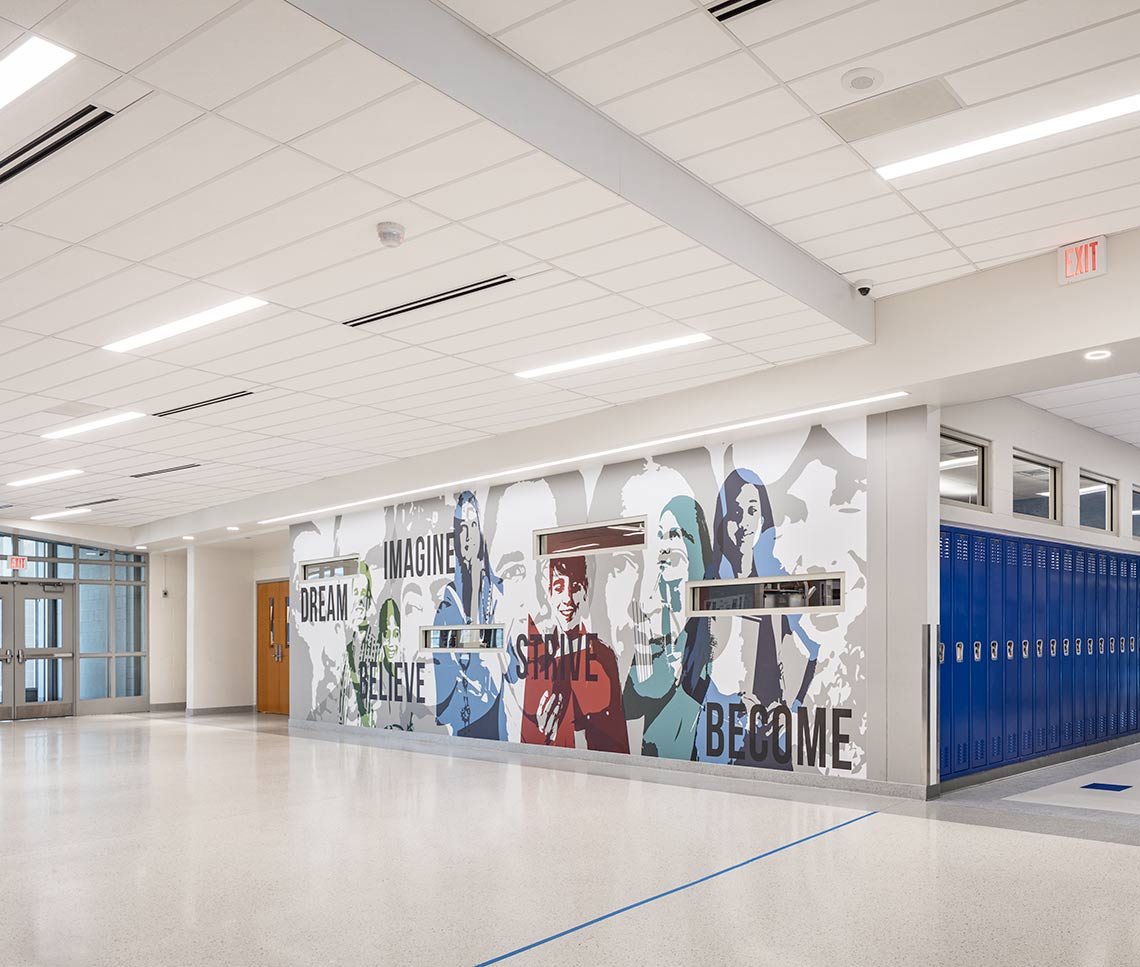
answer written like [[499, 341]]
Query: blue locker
[[978, 654], [1012, 656], [1133, 633], [1101, 645], [1025, 672], [995, 655], [1110, 664], [959, 666], [1092, 643], [945, 705], [1040, 636], [1053, 637], [1119, 661], [1067, 633], [1080, 633]]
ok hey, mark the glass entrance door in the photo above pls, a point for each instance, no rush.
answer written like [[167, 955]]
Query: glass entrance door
[[37, 645]]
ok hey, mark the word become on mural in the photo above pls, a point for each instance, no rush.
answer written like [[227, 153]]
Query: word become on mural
[[744, 732], [418, 557]]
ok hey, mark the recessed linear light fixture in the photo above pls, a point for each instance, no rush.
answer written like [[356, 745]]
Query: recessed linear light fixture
[[187, 537], [598, 455], [33, 61], [1007, 139], [62, 513], [44, 478], [1097, 355], [233, 528], [112, 420], [955, 463], [603, 358], [204, 318], [140, 547]]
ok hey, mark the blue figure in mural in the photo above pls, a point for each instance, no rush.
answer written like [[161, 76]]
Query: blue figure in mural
[[653, 690], [468, 692], [744, 540]]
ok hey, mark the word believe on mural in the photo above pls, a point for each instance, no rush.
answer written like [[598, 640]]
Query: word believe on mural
[[598, 650]]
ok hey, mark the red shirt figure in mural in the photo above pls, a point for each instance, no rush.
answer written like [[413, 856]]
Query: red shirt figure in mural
[[572, 681]]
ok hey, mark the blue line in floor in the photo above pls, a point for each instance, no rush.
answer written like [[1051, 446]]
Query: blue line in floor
[[676, 889], [1106, 787]]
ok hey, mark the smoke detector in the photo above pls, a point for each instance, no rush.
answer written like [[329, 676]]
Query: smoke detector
[[391, 234], [862, 80]]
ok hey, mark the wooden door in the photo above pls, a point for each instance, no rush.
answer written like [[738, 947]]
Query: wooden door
[[273, 647]]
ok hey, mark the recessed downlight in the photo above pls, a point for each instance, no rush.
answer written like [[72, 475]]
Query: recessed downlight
[[33, 61], [862, 80], [75, 512], [44, 478], [204, 318], [1096, 355], [98, 424], [632, 352]]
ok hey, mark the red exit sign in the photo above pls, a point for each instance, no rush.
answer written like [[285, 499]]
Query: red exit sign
[[17, 563], [1082, 260]]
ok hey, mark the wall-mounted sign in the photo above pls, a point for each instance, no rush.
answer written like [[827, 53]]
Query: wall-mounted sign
[[17, 563], [1082, 260]]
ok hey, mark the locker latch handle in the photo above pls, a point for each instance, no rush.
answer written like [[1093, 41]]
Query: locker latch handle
[[959, 651], [1040, 648], [1025, 648], [1078, 646], [977, 651], [995, 648], [941, 652], [1052, 647], [1009, 649], [1065, 648]]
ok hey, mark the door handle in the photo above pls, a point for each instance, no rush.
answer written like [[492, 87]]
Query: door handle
[[6, 658], [272, 623], [19, 656]]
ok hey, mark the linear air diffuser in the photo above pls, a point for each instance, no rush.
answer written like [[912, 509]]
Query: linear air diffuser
[[432, 300], [734, 8], [197, 406], [57, 137]]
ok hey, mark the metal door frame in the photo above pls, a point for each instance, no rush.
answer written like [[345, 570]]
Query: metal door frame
[[13, 594]]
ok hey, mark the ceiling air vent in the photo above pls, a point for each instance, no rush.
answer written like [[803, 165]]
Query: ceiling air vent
[[432, 300], [155, 473], [198, 406], [94, 503], [734, 8], [48, 143], [895, 109]]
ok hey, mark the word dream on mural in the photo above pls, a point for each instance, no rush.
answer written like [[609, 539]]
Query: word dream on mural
[[597, 650]]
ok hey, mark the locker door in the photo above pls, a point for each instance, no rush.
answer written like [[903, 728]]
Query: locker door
[[1079, 635], [1110, 664], [960, 668], [1092, 643], [1053, 636], [1040, 652], [978, 651], [1066, 658], [945, 700], [995, 655], [1011, 659], [1119, 702], [1025, 660], [1101, 645], [1133, 633]]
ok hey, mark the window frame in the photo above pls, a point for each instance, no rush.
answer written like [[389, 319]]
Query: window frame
[[331, 562], [985, 448], [1112, 501], [1055, 477], [642, 521], [1132, 512], [692, 588]]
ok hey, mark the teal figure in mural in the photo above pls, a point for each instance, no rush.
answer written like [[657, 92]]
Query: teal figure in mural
[[653, 690], [468, 689]]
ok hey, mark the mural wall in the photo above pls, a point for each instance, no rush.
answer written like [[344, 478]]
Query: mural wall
[[598, 652]]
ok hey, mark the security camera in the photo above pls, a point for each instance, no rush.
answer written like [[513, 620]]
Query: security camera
[[864, 287], [391, 234]]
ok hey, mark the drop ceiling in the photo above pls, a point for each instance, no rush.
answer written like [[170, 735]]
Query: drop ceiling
[[1109, 406], [740, 105], [252, 153]]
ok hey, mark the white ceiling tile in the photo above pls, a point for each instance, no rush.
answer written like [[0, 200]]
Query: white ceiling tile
[[54, 276], [19, 249], [794, 141], [921, 281], [317, 210], [124, 33], [589, 260], [868, 236], [265, 181], [648, 59], [659, 269], [908, 268], [493, 15], [821, 198], [690, 94], [27, 13], [698, 283], [398, 122], [120, 379], [588, 232], [545, 211], [248, 45], [816, 347], [749, 312], [581, 27], [510, 346], [791, 176], [773, 19], [445, 159], [13, 339], [765, 345], [186, 158], [36, 355], [727, 298], [890, 252], [844, 219], [725, 125], [498, 186], [139, 125]]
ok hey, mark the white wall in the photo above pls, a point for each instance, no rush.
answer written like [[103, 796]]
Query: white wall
[[1010, 423], [221, 633], [273, 557], [167, 631]]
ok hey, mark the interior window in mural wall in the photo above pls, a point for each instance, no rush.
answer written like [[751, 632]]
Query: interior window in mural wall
[[598, 650]]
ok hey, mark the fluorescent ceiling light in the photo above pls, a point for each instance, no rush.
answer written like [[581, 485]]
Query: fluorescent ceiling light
[[93, 425], [44, 478], [33, 61], [233, 528], [520, 472], [956, 462], [179, 326], [140, 547], [187, 537], [63, 513], [586, 361], [1007, 139]]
